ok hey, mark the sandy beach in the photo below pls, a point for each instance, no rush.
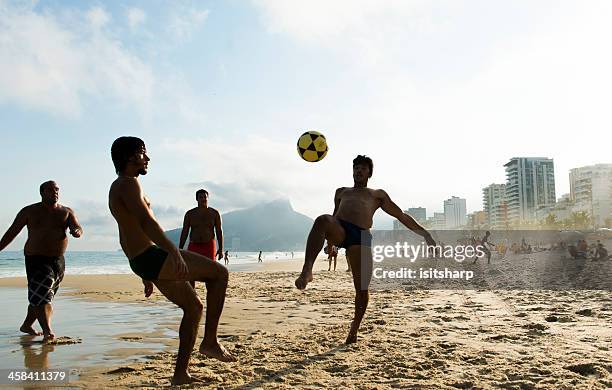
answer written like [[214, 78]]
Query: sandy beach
[[409, 338]]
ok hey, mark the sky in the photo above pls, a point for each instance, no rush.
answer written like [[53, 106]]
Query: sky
[[440, 94]]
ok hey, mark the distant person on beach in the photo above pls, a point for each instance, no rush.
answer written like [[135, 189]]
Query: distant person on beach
[[601, 252], [348, 227], [259, 258], [154, 258], [332, 254], [44, 250], [204, 223], [484, 245], [583, 248], [348, 263], [226, 258]]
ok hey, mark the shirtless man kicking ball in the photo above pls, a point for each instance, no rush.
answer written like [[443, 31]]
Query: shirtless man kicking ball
[[158, 262], [348, 227]]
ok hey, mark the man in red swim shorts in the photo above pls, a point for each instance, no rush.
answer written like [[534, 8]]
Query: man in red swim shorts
[[204, 223]]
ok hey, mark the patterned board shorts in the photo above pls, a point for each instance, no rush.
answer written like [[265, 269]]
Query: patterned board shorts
[[44, 276]]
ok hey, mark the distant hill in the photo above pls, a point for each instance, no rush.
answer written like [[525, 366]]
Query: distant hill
[[272, 226]]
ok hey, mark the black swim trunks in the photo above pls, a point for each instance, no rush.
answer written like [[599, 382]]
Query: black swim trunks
[[355, 235], [44, 274], [148, 264]]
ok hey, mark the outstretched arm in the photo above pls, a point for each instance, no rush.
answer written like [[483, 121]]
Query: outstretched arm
[[393, 210], [185, 230], [73, 224], [20, 221], [219, 234]]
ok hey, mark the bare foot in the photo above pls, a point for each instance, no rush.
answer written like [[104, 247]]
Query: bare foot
[[218, 352], [48, 338], [183, 379], [29, 330], [303, 280], [352, 336]]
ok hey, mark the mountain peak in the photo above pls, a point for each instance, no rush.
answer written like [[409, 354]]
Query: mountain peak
[[279, 204], [268, 226]]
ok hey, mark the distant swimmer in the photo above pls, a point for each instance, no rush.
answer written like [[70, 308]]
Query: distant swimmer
[[154, 258], [349, 227], [44, 250], [259, 258], [484, 245], [226, 258], [204, 223]]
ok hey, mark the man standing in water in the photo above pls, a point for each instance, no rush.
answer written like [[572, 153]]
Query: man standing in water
[[348, 227], [204, 222], [157, 261], [44, 250]]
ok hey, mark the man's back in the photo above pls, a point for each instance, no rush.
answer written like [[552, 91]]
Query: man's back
[[133, 239], [357, 205]]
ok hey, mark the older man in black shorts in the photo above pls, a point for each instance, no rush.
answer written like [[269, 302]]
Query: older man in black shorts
[[47, 222]]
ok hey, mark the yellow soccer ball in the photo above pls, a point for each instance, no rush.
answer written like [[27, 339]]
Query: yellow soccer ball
[[312, 146]]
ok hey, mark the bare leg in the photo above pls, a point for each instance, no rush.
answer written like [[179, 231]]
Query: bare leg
[[329, 260], [324, 227], [215, 276], [360, 259], [26, 327], [44, 313], [335, 258], [183, 295], [475, 259], [215, 298]]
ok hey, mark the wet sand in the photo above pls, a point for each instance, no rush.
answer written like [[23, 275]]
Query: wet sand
[[409, 338]]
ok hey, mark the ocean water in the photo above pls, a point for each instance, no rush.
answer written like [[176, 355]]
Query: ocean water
[[100, 263], [98, 324]]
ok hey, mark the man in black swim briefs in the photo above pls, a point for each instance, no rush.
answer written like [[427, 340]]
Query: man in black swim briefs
[[349, 227], [158, 262]]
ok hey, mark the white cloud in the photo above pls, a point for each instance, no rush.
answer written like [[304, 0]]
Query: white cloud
[[244, 172], [186, 21], [365, 30], [136, 17], [51, 65], [459, 106], [98, 17]]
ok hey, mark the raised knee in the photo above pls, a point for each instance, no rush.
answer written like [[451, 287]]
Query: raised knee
[[322, 220], [223, 274]]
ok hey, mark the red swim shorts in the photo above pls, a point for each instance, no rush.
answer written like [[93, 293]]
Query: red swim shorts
[[207, 249]]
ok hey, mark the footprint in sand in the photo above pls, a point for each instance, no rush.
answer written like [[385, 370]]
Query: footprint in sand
[[586, 369], [559, 318], [585, 312], [537, 327], [121, 370]]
